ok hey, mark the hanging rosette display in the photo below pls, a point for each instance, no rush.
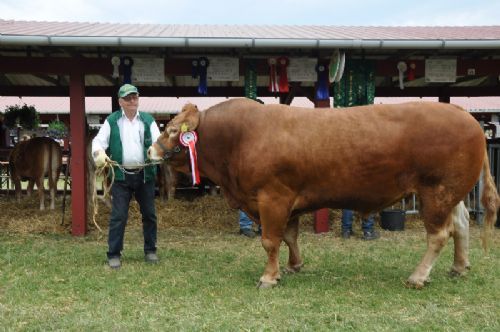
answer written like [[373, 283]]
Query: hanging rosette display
[[127, 63], [411, 72], [273, 76], [322, 83], [194, 68], [202, 72], [282, 64], [250, 80], [402, 67], [115, 61], [336, 66]]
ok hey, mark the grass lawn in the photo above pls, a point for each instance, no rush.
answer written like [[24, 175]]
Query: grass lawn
[[207, 275]]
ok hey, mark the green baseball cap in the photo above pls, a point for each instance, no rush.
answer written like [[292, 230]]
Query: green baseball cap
[[127, 89]]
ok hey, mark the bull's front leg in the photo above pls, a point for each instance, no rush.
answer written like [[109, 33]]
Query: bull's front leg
[[273, 218]]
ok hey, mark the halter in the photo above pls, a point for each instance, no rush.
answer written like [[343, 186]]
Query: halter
[[168, 153]]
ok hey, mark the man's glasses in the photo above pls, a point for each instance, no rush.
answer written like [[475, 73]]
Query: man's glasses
[[131, 97]]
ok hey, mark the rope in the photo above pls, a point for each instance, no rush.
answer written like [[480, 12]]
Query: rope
[[101, 171]]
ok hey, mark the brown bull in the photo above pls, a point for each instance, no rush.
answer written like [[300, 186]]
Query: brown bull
[[33, 159], [277, 162]]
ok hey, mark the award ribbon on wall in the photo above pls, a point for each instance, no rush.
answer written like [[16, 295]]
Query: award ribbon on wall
[[202, 71], [127, 63], [282, 63], [322, 83], [250, 80], [273, 79]]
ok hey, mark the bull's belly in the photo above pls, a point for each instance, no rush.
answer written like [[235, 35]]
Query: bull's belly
[[362, 201]]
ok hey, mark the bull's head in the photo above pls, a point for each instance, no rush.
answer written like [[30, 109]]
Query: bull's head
[[168, 146]]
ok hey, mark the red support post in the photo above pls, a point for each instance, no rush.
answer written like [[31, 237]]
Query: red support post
[[78, 149], [321, 217]]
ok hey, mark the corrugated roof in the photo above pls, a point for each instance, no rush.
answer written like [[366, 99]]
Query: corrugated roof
[[81, 29], [168, 105]]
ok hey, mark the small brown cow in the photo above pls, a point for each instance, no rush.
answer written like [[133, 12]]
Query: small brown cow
[[32, 160], [276, 162]]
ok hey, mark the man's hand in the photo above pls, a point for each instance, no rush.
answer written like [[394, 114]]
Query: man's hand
[[100, 158]]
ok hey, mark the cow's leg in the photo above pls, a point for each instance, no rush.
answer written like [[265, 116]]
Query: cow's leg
[[52, 188], [41, 193], [437, 220], [17, 186], [290, 237], [29, 188], [460, 232], [274, 215]]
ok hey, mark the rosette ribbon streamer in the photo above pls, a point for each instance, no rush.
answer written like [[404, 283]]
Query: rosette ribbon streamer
[[322, 83], [127, 63], [273, 76], [189, 139], [282, 63]]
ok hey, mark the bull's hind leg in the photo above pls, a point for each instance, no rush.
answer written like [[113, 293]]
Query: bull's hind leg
[[437, 220], [460, 232], [41, 192], [274, 215], [290, 237]]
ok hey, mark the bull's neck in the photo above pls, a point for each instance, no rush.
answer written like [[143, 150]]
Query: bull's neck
[[213, 148]]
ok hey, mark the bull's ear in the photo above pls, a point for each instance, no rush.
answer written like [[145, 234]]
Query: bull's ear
[[191, 117]]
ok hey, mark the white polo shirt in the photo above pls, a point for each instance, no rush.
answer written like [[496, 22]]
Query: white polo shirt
[[132, 137]]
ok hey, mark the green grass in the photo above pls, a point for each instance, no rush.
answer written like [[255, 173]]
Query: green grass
[[206, 281]]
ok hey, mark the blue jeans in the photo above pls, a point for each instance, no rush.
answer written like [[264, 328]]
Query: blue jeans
[[122, 194], [347, 216], [245, 222]]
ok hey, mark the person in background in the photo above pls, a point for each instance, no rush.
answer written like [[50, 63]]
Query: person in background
[[246, 225], [369, 233], [127, 134]]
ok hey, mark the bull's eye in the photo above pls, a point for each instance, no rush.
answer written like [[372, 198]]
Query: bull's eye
[[172, 131]]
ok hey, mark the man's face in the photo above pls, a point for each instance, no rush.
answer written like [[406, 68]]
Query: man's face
[[129, 103]]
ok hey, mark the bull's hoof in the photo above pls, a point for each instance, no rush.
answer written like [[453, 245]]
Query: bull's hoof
[[266, 284], [417, 284], [454, 272], [293, 269]]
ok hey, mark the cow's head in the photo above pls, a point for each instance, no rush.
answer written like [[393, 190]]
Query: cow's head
[[168, 146]]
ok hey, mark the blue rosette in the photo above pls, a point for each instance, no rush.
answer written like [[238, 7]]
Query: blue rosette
[[322, 83]]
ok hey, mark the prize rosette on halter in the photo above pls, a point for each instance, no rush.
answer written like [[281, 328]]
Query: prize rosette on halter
[[189, 139], [127, 64], [322, 84]]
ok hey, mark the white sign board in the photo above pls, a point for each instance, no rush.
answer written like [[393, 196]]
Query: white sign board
[[302, 70], [93, 119], [223, 69], [148, 70], [440, 70]]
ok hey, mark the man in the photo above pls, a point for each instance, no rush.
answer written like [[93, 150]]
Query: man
[[126, 135], [369, 233]]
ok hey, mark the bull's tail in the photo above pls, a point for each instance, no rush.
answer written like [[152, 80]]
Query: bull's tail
[[490, 201]]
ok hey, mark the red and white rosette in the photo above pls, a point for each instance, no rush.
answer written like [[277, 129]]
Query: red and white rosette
[[189, 139], [273, 75]]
